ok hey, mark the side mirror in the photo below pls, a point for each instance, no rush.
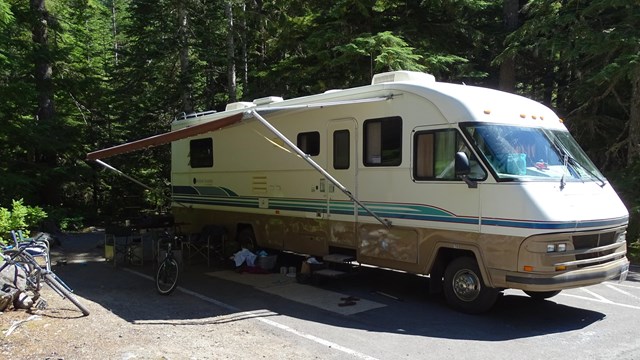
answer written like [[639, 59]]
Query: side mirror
[[462, 164], [463, 169]]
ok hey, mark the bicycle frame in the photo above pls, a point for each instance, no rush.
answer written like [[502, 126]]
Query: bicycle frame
[[35, 273]]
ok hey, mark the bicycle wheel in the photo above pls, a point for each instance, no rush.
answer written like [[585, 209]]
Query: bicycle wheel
[[62, 290], [167, 276]]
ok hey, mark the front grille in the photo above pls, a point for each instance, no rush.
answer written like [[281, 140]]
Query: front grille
[[590, 241], [593, 256]]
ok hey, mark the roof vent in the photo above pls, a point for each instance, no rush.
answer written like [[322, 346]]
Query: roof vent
[[397, 76], [238, 105], [267, 100]]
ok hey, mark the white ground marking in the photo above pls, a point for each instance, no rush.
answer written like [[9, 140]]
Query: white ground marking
[[615, 288], [270, 322], [598, 298]]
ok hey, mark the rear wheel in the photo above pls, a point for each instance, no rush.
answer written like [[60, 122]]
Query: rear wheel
[[167, 276], [464, 289], [542, 295]]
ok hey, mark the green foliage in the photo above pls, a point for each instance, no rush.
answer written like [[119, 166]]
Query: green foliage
[[633, 252], [6, 16], [19, 217], [71, 223], [386, 51], [580, 57], [626, 181], [117, 76]]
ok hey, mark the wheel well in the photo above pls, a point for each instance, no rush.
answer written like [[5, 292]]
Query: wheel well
[[443, 258], [446, 255]]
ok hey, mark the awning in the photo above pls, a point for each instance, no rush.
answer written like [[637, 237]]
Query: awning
[[165, 138], [250, 112]]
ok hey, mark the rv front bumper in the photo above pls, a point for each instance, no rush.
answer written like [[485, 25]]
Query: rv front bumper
[[569, 279]]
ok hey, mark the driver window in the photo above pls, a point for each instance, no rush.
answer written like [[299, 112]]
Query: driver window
[[434, 154]]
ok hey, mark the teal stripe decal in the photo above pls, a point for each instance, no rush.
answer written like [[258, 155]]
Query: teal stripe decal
[[227, 198]]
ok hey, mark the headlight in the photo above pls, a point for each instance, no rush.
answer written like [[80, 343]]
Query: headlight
[[622, 237], [562, 247]]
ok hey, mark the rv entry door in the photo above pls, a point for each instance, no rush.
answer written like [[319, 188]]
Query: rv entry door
[[342, 165]]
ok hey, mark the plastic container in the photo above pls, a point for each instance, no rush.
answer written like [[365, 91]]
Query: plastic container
[[267, 262]]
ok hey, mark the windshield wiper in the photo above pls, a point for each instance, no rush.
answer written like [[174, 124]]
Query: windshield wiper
[[575, 164]]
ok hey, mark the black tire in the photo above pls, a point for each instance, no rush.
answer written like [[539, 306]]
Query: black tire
[[167, 276], [542, 295], [464, 289], [62, 290]]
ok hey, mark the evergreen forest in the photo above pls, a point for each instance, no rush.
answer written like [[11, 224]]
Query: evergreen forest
[[81, 75]]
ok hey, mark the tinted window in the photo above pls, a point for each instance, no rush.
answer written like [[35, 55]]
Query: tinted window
[[341, 149], [309, 143], [201, 153], [383, 142], [434, 156]]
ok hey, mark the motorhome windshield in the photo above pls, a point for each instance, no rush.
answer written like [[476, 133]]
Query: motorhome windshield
[[532, 153]]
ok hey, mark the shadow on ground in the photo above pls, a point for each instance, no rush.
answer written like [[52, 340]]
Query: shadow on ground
[[129, 293]]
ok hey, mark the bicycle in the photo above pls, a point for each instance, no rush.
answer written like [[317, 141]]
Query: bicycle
[[37, 248], [22, 255], [167, 274]]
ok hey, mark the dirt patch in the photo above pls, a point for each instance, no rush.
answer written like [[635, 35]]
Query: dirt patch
[[130, 320]]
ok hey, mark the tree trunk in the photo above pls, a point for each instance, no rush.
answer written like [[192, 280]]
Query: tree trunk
[[634, 118], [43, 68], [231, 66], [115, 32], [185, 71], [45, 157], [511, 9], [245, 55]]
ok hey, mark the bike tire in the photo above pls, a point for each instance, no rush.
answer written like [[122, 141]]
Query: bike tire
[[167, 276], [61, 289]]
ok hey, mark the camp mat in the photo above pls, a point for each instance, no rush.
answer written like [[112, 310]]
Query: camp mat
[[287, 287]]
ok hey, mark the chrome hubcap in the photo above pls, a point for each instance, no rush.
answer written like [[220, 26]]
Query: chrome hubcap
[[466, 285]]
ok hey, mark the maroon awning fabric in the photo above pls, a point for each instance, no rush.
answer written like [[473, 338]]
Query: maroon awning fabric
[[165, 138]]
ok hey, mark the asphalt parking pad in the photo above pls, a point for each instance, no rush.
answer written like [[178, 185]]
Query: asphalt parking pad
[[288, 288]]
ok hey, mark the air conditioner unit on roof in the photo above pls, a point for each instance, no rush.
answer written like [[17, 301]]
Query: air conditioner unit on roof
[[239, 105], [398, 76]]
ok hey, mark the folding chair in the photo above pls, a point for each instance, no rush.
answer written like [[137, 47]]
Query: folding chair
[[210, 240], [135, 249], [116, 243]]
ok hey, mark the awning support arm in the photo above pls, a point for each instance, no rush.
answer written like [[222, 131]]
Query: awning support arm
[[135, 180], [315, 165]]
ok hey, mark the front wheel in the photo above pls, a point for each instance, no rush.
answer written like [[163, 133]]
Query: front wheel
[[464, 289], [542, 295], [167, 276]]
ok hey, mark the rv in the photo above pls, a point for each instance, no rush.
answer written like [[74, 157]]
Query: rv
[[480, 189]]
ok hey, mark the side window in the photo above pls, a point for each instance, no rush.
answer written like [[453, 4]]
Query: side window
[[434, 154], [201, 153], [383, 142], [341, 149], [309, 143]]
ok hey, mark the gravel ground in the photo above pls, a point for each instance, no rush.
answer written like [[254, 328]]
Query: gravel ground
[[129, 320]]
